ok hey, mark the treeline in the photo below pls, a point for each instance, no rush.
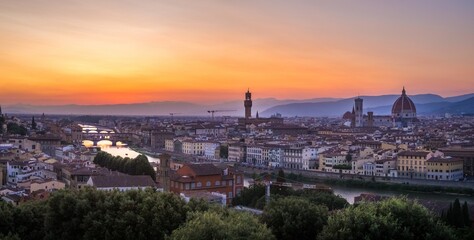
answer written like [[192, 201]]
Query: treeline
[[131, 166], [395, 187], [456, 215], [135, 215], [254, 197], [93, 214]]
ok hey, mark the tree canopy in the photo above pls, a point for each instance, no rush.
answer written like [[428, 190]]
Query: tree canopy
[[222, 224], [395, 218], [295, 218], [136, 166]]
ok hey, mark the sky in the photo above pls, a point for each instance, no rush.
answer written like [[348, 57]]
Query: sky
[[55, 52]]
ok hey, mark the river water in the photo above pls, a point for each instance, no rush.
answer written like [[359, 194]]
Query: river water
[[346, 192]]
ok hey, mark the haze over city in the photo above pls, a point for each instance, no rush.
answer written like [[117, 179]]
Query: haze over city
[[109, 52]]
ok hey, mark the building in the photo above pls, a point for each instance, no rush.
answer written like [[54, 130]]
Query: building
[[444, 168], [466, 154], [403, 110], [412, 164], [403, 114], [248, 104], [248, 120], [237, 152], [207, 177]]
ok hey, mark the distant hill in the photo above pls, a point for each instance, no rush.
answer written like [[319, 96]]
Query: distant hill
[[337, 108], [380, 105], [156, 108], [461, 107], [316, 107]]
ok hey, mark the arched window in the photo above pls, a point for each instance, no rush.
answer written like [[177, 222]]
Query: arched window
[[208, 184]]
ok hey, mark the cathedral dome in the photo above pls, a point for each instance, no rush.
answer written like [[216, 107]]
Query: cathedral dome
[[404, 107], [347, 115]]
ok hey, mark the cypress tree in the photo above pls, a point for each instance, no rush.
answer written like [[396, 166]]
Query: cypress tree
[[465, 213], [458, 219], [33, 123]]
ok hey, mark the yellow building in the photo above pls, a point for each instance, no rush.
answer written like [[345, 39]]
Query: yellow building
[[447, 169], [411, 164]]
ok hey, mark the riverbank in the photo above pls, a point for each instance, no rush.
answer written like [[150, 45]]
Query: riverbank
[[371, 184]]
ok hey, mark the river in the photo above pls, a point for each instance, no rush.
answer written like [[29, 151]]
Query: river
[[346, 192]]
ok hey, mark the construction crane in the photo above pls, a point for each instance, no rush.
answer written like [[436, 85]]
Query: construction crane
[[172, 116], [214, 111]]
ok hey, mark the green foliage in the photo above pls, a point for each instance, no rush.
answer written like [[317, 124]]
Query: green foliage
[[281, 176], [222, 224], [456, 215], [395, 218], [249, 196], [14, 128], [295, 218], [91, 214], [136, 166], [224, 151], [348, 157], [254, 197], [33, 123]]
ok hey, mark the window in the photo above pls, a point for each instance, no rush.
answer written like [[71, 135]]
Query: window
[[208, 184], [193, 185], [187, 186], [230, 194], [239, 179], [230, 182], [217, 183], [199, 184]]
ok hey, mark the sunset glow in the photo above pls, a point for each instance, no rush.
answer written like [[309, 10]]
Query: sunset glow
[[105, 52]]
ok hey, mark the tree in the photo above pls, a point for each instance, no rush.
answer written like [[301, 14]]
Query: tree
[[465, 214], [294, 218], [281, 176], [33, 123], [222, 224], [348, 157], [456, 215], [395, 218], [331, 201], [14, 128], [224, 151]]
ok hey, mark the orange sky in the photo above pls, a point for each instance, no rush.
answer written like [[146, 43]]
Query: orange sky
[[96, 52]]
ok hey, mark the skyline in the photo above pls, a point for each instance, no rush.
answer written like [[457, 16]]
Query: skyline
[[111, 52]]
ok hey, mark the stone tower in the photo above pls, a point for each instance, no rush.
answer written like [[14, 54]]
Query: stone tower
[[248, 104], [359, 116], [165, 172]]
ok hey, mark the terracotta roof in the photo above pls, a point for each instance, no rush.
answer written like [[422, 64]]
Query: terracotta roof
[[403, 104], [122, 181], [205, 169], [444, 160], [411, 153]]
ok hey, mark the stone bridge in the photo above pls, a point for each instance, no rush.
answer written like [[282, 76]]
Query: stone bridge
[[113, 137]]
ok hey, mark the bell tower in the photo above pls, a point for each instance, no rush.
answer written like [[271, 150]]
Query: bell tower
[[248, 104]]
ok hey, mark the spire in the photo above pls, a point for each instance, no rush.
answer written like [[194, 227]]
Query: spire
[[403, 91], [353, 110], [0, 110], [257, 114]]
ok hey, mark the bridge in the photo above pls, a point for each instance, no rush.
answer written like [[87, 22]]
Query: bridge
[[113, 137], [96, 134]]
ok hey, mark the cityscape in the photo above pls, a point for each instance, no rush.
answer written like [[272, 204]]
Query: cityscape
[[236, 120]]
